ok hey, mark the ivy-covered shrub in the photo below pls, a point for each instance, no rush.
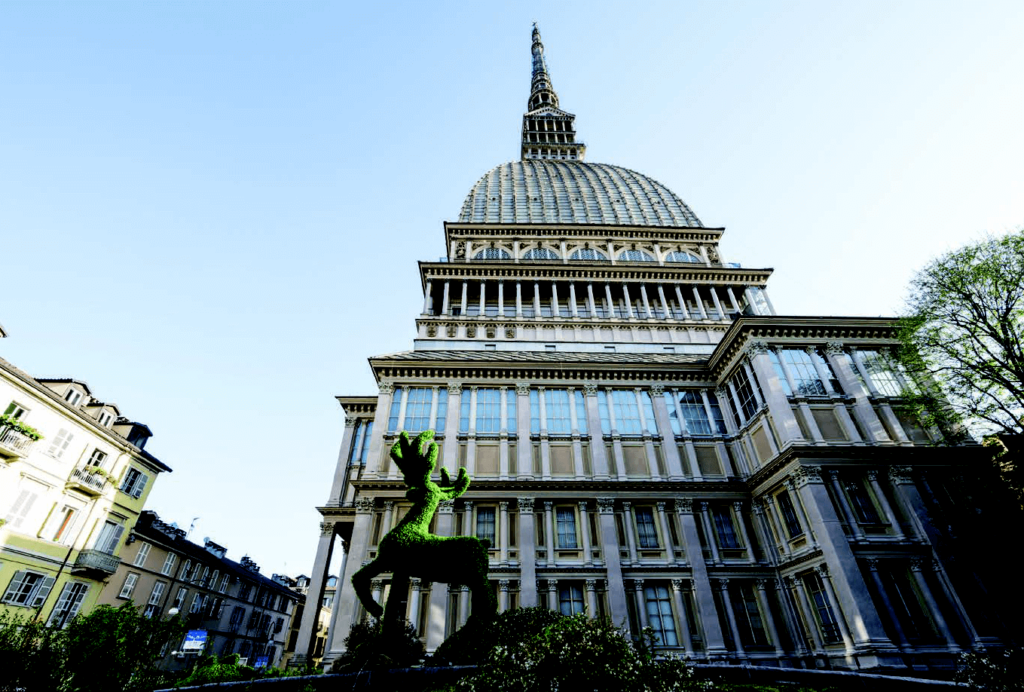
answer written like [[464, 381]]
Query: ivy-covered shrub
[[473, 643], [31, 655], [15, 424], [1000, 671], [369, 647], [578, 653]]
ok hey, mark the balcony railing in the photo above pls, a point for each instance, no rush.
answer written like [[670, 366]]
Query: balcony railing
[[88, 479], [96, 561], [14, 443]]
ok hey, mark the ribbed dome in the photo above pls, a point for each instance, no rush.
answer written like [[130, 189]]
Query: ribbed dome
[[535, 191]]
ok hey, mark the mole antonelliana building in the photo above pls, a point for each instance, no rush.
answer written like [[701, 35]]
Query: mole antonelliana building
[[648, 440]]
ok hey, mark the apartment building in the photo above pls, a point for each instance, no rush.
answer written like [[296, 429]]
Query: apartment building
[[74, 477]]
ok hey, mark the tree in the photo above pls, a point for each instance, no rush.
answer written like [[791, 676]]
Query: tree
[[964, 329]]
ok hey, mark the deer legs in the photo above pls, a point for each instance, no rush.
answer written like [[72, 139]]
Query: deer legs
[[361, 582]]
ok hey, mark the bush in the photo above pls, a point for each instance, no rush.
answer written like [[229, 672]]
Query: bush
[[579, 653], [367, 648], [472, 644], [1002, 671], [108, 649]]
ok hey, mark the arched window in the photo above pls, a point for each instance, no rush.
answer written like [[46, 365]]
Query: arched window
[[588, 254], [635, 256], [541, 253], [492, 253], [681, 256]]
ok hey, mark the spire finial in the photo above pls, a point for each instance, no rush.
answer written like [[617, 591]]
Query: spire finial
[[548, 132]]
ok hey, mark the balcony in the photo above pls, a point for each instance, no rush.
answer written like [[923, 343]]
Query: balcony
[[96, 562], [14, 443], [88, 479]]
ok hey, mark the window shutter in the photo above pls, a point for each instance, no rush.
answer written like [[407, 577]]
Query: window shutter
[[140, 485], [140, 557], [76, 602], [158, 591], [129, 586], [43, 591], [109, 538], [14, 586]]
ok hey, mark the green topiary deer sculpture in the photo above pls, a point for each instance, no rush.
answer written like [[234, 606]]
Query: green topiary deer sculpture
[[410, 550]]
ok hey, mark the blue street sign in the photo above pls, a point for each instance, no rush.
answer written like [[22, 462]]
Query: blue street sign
[[261, 661], [195, 640]]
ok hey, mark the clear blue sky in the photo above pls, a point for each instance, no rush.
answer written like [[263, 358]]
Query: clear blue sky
[[212, 211]]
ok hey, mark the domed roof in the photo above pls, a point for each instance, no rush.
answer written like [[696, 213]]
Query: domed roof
[[573, 192]]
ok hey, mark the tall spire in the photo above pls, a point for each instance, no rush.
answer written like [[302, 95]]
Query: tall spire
[[548, 132]]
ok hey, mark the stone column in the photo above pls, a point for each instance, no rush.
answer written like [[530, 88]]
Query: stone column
[[503, 585], [503, 454], [837, 610], [647, 303], [764, 534], [778, 404], [913, 504], [483, 299], [608, 297], [732, 299], [467, 518], [684, 625], [503, 535], [501, 298], [555, 308], [700, 304], [844, 505], [610, 550], [723, 586], [438, 608], [852, 592], [527, 554], [376, 589], [664, 303], [577, 440], [344, 454], [372, 462], [652, 460], [668, 441], [876, 578], [549, 530], [450, 460], [782, 544], [738, 510], [592, 609], [414, 603], [598, 453], [629, 524], [463, 604], [862, 409], [345, 599], [806, 609], [311, 613], [933, 606], [545, 449], [762, 599], [553, 595], [591, 305], [471, 435], [717, 302], [588, 556], [572, 300], [620, 460], [524, 446], [890, 516], [465, 298], [666, 531], [445, 305], [519, 299], [536, 299], [709, 531], [629, 302], [714, 641], [641, 602], [682, 304]]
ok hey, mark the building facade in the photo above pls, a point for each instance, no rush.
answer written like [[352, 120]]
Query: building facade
[[74, 477], [649, 441], [300, 585], [166, 575]]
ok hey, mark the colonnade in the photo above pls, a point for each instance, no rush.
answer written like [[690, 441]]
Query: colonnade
[[578, 299]]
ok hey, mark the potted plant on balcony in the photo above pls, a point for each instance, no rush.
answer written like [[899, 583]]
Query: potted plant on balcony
[[9, 423]]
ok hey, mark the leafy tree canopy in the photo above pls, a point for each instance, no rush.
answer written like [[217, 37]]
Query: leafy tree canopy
[[964, 327]]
